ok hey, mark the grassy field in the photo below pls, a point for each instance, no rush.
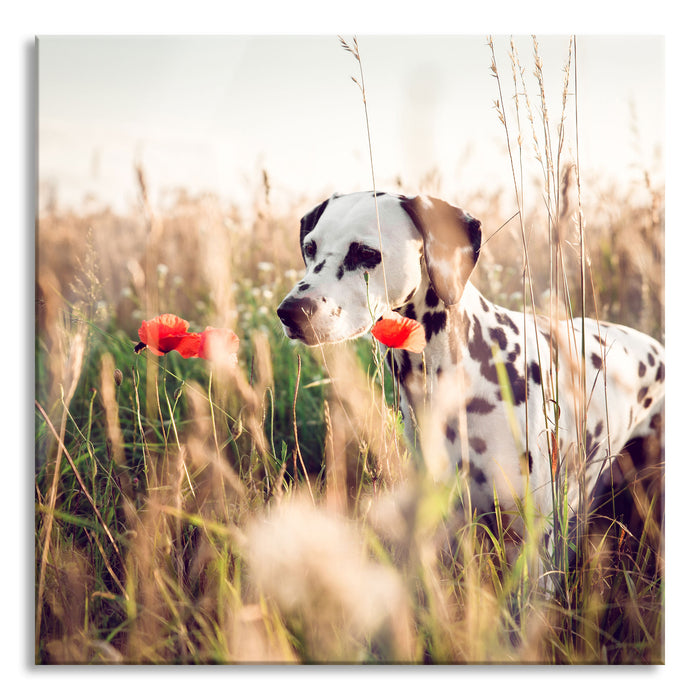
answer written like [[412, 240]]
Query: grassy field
[[188, 512]]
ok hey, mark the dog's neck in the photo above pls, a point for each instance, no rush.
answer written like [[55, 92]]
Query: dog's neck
[[447, 332], [462, 341]]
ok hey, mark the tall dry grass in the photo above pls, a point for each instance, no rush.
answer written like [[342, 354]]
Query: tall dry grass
[[269, 513]]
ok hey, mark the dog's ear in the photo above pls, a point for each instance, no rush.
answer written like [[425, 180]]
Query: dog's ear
[[309, 220], [451, 242]]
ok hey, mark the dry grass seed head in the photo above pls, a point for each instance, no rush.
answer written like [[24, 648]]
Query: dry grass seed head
[[312, 564]]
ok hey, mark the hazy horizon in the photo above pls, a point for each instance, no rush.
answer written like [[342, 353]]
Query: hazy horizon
[[209, 113]]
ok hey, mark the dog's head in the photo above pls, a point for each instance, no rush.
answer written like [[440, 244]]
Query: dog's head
[[353, 277]]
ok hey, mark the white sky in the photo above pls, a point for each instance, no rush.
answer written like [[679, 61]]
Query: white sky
[[207, 113]]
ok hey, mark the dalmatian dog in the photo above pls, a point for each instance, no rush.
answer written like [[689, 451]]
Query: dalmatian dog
[[499, 395]]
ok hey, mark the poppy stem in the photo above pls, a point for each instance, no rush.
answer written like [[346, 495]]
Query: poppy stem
[[211, 407]]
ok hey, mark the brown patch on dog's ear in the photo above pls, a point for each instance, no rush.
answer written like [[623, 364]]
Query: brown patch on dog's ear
[[451, 242]]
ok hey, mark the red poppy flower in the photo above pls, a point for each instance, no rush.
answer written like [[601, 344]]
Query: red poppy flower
[[218, 343], [168, 332], [396, 331]]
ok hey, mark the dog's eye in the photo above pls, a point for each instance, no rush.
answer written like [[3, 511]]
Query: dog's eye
[[310, 249]]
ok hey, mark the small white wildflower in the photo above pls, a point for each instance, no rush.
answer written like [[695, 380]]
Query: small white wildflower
[[264, 266], [162, 269], [101, 309]]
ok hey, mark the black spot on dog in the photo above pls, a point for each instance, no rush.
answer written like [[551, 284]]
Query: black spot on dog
[[410, 312], [647, 402], [533, 372], [642, 369], [499, 337], [506, 320], [591, 447], [477, 474], [529, 461], [480, 350], [405, 368], [340, 272], [599, 340], [433, 322], [517, 383], [400, 363], [642, 393], [484, 305], [599, 429], [481, 406], [596, 361], [651, 359], [478, 445], [661, 372], [450, 433], [489, 519], [320, 266], [513, 354], [409, 295], [303, 286], [431, 297], [362, 256], [474, 231]]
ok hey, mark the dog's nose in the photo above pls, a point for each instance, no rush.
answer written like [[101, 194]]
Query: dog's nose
[[295, 313]]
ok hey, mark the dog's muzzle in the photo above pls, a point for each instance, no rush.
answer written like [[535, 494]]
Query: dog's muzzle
[[295, 313]]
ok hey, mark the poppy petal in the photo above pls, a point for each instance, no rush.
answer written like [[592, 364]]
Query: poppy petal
[[396, 331], [218, 343], [168, 332], [189, 345], [163, 333]]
